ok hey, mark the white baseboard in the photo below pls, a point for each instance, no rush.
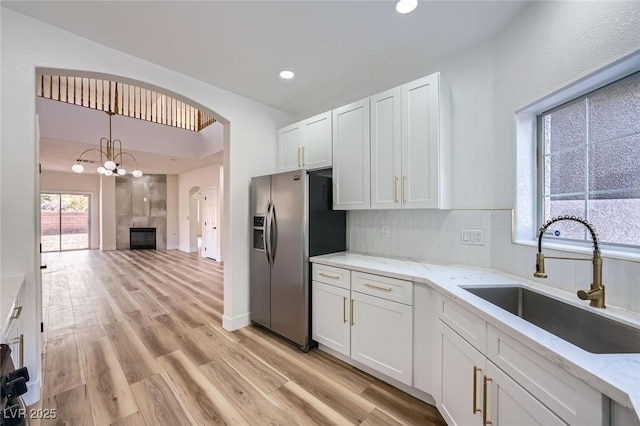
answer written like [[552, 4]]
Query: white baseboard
[[236, 323], [108, 248], [423, 396], [173, 247]]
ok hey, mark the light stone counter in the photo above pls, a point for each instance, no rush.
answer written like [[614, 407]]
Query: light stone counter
[[616, 375], [9, 288]]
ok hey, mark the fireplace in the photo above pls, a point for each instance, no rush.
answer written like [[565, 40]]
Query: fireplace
[[142, 238]]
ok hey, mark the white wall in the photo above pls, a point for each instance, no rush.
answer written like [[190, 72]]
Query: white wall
[[173, 227], [545, 48], [107, 213], [77, 183], [203, 178], [249, 149]]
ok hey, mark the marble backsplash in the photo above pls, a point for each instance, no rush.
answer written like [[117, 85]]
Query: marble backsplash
[[435, 235], [141, 202]]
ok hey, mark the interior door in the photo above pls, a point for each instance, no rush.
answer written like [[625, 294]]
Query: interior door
[[210, 225]]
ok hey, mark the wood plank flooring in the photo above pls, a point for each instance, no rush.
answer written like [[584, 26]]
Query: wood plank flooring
[[135, 338]]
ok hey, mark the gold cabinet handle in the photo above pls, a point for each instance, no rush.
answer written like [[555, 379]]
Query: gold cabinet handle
[[404, 189], [303, 159], [476, 370], [485, 421], [344, 309], [299, 151], [353, 309], [19, 340], [395, 189], [378, 287], [16, 313], [324, 274]]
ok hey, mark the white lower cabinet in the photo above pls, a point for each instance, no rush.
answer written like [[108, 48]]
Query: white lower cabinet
[[484, 376], [369, 328], [458, 372], [331, 315], [476, 392], [382, 335], [510, 404]]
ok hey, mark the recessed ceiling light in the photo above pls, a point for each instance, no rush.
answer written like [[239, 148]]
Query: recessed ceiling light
[[287, 74], [406, 6]]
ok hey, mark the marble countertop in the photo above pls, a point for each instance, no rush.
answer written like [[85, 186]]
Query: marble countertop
[[615, 375], [9, 288]]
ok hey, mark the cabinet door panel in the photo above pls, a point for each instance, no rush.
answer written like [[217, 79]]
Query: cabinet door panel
[[351, 163], [385, 150], [420, 143], [381, 336], [509, 404], [290, 140], [424, 321], [454, 371], [317, 141], [330, 317]]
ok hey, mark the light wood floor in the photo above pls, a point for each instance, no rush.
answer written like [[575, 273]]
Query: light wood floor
[[135, 338]]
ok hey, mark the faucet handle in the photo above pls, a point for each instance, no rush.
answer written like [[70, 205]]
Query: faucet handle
[[540, 266]]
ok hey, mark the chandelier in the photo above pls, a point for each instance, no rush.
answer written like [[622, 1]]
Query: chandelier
[[112, 154]]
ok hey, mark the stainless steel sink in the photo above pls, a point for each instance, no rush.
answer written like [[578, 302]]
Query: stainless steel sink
[[589, 331]]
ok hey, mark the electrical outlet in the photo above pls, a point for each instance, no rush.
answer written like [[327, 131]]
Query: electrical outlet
[[474, 237], [384, 231]]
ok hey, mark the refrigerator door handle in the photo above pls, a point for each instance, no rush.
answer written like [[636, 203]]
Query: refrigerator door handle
[[266, 234], [273, 233]]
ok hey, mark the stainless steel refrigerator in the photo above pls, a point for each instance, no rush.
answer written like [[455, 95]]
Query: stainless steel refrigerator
[[292, 219]]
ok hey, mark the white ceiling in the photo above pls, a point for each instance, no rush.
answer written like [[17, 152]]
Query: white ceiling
[[67, 130], [340, 50]]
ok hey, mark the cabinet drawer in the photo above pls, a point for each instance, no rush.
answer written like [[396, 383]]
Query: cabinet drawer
[[384, 287], [472, 328], [331, 275], [568, 397]]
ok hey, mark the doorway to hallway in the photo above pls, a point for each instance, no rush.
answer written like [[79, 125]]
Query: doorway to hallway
[[64, 222]]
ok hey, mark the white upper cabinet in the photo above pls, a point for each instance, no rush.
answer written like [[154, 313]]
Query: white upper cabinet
[[386, 159], [351, 163], [425, 144], [306, 144], [409, 146], [290, 141]]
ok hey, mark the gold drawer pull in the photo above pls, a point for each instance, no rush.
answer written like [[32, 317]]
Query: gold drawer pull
[[377, 287], [344, 310], [324, 274], [353, 309], [476, 370], [395, 189], [404, 190], [16, 312], [485, 421]]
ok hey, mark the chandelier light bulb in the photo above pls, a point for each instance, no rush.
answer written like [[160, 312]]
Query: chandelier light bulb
[[122, 172], [101, 170], [406, 6], [77, 168], [108, 172], [136, 173], [110, 165]]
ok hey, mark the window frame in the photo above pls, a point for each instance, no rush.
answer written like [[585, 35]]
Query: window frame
[[540, 160], [524, 218]]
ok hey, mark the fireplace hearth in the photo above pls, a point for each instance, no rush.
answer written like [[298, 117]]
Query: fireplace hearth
[[142, 238]]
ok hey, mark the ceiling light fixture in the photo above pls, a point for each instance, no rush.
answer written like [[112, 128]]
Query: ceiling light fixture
[[113, 157], [287, 74], [405, 6]]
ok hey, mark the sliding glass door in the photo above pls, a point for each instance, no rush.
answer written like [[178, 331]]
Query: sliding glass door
[[64, 221]]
